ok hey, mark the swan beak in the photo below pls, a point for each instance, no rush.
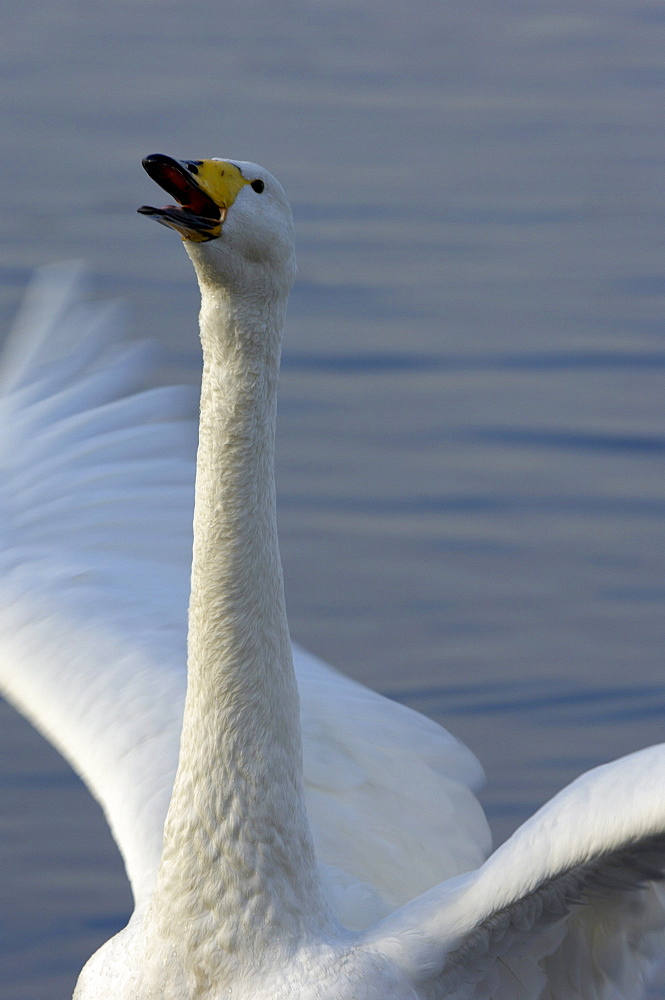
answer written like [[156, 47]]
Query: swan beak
[[204, 190]]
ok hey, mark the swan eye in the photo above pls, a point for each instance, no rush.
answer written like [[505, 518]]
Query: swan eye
[[257, 185]]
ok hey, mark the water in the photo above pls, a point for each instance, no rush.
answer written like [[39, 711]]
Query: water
[[471, 432]]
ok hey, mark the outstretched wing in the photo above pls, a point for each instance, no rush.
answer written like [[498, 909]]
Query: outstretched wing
[[389, 795], [96, 498], [95, 524], [569, 908]]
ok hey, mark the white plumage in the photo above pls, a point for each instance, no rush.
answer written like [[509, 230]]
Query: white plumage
[[96, 515]]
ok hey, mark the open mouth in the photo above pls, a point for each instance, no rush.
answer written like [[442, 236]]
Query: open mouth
[[196, 216]]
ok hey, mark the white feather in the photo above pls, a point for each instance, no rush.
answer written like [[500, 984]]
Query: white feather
[[565, 909]]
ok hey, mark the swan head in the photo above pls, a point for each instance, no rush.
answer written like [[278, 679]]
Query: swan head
[[233, 217]]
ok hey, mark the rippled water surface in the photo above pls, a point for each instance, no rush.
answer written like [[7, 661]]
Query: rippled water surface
[[471, 439]]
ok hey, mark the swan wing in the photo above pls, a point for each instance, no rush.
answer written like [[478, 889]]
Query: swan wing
[[96, 498], [95, 532], [569, 908], [389, 795]]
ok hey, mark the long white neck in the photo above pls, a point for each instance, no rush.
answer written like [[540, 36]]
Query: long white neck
[[238, 853]]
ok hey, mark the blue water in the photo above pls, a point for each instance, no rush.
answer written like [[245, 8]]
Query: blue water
[[471, 421]]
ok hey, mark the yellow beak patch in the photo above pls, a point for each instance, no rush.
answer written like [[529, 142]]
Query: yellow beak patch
[[220, 180]]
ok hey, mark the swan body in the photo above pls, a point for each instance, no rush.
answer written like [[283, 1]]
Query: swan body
[[329, 847]]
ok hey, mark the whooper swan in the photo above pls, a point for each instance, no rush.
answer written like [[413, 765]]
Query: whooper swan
[[265, 882]]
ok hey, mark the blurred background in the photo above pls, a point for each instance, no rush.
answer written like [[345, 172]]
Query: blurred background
[[471, 435]]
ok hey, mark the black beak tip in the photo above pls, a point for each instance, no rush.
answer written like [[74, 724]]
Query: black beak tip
[[155, 163]]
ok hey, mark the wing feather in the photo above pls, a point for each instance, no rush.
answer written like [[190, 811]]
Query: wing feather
[[569, 908]]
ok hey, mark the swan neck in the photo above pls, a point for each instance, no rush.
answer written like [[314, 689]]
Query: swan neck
[[237, 839]]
